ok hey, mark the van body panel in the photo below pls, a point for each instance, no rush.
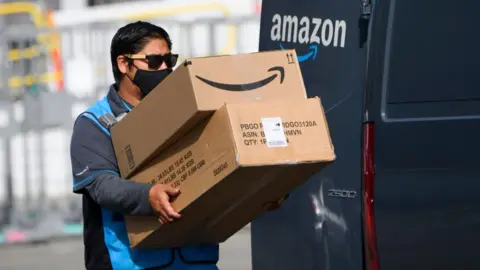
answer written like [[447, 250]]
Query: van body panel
[[423, 99], [417, 83], [320, 225]]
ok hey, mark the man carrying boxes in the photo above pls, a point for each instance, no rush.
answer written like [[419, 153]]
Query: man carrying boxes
[[207, 150], [141, 58]]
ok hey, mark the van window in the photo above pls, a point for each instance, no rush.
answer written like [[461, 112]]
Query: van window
[[434, 59]]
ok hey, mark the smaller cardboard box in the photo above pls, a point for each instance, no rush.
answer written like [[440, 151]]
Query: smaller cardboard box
[[193, 92], [243, 156]]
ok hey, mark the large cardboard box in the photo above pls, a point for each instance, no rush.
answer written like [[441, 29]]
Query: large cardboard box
[[193, 92], [230, 165]]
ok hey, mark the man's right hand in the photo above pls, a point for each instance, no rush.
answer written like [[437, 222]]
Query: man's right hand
[[160, 197]]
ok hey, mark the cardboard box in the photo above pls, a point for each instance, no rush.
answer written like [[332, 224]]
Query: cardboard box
[[193, 92], [224, 224], [243, 156]]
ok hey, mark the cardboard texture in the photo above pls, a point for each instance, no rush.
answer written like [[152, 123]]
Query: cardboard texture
[[193, 92], [227, 222], [230, 165]]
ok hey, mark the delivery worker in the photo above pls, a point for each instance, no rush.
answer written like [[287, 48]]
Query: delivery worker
[[141, 58]]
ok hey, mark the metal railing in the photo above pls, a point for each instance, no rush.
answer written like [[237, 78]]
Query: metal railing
[[48, 76]]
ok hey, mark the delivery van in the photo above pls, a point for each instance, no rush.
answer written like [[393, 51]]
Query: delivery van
[[399, 81]]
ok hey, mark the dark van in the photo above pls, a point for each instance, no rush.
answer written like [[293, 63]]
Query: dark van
[[400, 83]]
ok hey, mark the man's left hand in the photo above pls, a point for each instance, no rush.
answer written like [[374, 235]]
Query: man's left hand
[[274, 205]]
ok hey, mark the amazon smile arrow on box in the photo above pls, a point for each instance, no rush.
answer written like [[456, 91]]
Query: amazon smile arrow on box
[[196, 89]]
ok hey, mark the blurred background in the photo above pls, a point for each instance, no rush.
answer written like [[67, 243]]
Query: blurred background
[[54, 63]]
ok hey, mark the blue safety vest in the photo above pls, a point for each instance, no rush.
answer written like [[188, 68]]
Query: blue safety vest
[[116, 239]]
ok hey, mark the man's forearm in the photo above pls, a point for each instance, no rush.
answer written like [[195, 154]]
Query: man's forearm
[[120, 195]]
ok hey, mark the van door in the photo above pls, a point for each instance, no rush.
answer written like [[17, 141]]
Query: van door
[[424, 104], [320, 224]]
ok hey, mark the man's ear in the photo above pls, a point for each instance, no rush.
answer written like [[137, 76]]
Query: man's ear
[[122, 64]]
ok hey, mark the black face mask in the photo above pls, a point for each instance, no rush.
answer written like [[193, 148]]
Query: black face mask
[[147, 80]]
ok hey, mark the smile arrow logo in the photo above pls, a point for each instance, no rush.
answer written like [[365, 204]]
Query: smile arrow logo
[[246, 86], [311, 54]]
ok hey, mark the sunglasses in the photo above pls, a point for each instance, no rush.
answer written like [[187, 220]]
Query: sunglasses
[[154, 61]]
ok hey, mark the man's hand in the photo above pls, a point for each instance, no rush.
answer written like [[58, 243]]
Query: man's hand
[[160, 197], [271, 206]]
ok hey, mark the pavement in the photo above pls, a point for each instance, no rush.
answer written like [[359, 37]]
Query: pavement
[[68, 254]]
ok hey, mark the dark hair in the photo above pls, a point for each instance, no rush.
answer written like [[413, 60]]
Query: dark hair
[[131, 39]]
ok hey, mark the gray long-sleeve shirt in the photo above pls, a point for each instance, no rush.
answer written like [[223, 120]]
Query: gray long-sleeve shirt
[[95, 170], [120, 195], [107, 198], [96, 173]]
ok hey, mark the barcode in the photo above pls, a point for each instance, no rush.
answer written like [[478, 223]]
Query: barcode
[[277, 143], [131, 161]]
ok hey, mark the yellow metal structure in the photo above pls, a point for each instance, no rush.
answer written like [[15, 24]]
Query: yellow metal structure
[[50, 41]]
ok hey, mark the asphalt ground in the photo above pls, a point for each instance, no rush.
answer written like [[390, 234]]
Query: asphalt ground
[[67, 254]]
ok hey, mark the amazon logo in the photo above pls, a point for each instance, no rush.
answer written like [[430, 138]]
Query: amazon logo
[[313, 32], [277, 72]]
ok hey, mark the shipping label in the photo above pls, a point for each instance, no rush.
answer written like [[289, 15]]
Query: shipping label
[[267, 132]]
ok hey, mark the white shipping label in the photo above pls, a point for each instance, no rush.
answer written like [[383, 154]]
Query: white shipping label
[[274, 134]]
